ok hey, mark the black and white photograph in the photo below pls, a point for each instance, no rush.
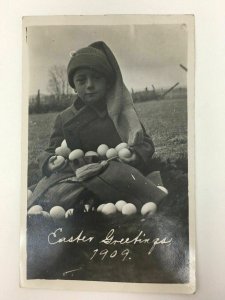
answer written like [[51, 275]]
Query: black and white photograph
[[109, 152]]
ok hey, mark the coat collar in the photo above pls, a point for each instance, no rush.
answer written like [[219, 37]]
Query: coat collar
[[79, 115], [78, 106]]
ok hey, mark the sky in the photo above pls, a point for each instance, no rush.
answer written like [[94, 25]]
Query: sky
[[147, 54]]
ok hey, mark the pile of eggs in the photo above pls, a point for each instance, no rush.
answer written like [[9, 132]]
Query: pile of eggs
[[58, 213], [126, 209], [103, 152], [120, 151]]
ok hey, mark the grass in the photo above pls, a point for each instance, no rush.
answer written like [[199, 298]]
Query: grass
[[166, 122]]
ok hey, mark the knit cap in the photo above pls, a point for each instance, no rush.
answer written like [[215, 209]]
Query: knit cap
[[120, 107], [91, 58]]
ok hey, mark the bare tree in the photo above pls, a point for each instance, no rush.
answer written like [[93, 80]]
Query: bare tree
[[58, 83]]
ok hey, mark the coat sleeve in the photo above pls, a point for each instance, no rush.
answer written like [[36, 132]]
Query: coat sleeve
[[56, 139], [144, 152]]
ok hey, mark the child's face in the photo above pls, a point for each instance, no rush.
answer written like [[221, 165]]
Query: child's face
[[90, 85]]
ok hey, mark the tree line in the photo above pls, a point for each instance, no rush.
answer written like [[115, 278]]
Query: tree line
[[61, 95]]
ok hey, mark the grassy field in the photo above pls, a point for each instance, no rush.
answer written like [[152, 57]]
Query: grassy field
[[165, 121]]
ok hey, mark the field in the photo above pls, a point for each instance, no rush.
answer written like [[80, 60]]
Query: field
[[166, 122]]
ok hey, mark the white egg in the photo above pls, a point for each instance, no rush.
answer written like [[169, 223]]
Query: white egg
[[59, 161], [111, 153], [121, 146], [35, 210], [100, 207], [148, 209], [102, 149], [120, 204], [91, 153], [109, 209], [162, 188], [58, 151], [62, 151], [76, 154], [57, 212], [129, 209], [124, 153]]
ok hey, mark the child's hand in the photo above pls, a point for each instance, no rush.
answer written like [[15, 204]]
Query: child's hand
[[55, 163]]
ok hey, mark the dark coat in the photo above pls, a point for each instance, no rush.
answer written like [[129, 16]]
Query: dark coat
[[86, 128]]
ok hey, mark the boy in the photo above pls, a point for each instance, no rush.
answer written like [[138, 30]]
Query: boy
[[103, 113]]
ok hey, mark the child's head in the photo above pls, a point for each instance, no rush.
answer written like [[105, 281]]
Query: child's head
[[99, 71], [90, 74]]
